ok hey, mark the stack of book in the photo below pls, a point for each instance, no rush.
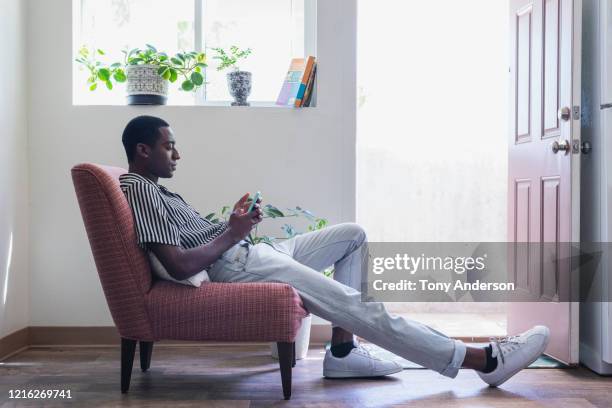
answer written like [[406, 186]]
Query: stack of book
[[298, 86]]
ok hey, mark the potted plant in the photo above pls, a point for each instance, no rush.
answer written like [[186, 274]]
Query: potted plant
[[147, 72], [239, 82], [302, 338]]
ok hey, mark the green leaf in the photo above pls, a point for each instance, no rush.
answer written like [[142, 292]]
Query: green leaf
[[272, 211], [166, 74], [176, 61], [210, 216], [187, 85], [109, 85], [115, 65], [197, 78], [289, 230], [104, 74], [161, 71], [120, 76], [173, 75], [100, 52], [93, 87], [152, 48], [180, 56]]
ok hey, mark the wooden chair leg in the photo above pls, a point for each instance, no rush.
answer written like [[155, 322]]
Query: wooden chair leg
[[285, 359], [128, 349], [293, 352], [146, 349]]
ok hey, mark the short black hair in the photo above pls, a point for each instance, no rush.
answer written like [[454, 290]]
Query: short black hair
[[141, 129]]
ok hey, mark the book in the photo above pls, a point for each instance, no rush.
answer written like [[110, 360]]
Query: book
[[292, 82], [310, 87], [295, 81], [310, 61]]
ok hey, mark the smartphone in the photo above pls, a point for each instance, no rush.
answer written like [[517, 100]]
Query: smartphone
[[257, 197]]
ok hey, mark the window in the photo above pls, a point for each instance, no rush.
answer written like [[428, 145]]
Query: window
[[273, 29]]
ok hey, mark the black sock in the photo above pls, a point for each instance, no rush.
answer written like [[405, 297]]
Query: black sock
[[491, 362], [342, 349]]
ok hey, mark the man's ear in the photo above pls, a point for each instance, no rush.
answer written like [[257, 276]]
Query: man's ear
[[143, 149]]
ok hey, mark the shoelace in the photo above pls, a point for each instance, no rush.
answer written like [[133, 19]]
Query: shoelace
[[366, 350], [505, 344]]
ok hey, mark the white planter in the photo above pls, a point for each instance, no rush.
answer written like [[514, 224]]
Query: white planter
[[302, 339], [145, 86]]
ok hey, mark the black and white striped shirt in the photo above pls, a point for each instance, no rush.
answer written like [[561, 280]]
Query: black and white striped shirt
[[164, 217]]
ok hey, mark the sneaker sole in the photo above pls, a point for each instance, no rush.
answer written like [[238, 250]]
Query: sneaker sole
[[348, 374], [512, 373]]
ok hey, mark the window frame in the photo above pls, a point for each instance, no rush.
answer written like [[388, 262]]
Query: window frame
[[200, 97]]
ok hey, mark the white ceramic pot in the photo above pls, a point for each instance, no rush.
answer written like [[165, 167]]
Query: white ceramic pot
[[145, 86], [302, 340]]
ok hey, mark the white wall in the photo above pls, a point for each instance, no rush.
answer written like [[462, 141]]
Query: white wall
[[14, 293], [295, 157]]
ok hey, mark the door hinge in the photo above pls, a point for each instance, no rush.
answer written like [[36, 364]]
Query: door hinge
[[576, 113]]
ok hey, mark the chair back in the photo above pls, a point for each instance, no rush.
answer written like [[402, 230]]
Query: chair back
[[123, 267]]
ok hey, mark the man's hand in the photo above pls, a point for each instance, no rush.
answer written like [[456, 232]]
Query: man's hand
[[241, 222], [243, 204]]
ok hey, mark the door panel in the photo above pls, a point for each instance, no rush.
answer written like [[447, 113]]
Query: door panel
[[541, 185], [523, 73], [551, 67]]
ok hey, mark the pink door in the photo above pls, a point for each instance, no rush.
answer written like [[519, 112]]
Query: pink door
[[543, 190]]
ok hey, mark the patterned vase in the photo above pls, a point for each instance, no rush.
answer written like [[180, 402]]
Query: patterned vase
[[239, 83], [145, 86]]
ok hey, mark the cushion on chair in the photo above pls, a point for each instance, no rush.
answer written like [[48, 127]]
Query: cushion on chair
[[225, 311], [158, 269]]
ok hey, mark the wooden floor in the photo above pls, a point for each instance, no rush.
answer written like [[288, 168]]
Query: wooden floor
[[246, 376]]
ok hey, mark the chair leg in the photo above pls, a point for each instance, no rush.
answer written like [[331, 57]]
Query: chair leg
[[293, 352], [128, 349], [285, 359], [146, 349]]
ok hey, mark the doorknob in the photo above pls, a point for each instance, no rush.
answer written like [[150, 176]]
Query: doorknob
[[564, 114], [564, 146]]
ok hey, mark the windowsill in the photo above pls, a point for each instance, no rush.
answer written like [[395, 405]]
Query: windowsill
[[219, 104]]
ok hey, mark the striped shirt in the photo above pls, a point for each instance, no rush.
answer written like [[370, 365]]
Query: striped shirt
[[164, 217]]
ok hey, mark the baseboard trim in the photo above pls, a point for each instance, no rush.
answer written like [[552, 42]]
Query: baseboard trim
[[66, 336], [14, 343]]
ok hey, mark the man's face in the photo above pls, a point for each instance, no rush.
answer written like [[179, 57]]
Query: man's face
[[163, 156]]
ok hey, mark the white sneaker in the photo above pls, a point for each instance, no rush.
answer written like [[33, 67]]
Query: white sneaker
[[515, 353], [358, 363]]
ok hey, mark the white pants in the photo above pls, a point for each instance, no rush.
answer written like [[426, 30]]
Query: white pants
[[298, 262]]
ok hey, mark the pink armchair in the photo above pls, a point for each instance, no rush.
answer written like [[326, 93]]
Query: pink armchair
[[147, 310]]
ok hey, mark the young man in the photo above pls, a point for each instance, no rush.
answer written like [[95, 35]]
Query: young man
[[187, 243]]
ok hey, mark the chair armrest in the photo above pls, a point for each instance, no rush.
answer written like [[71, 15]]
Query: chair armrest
[[225, 311]]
